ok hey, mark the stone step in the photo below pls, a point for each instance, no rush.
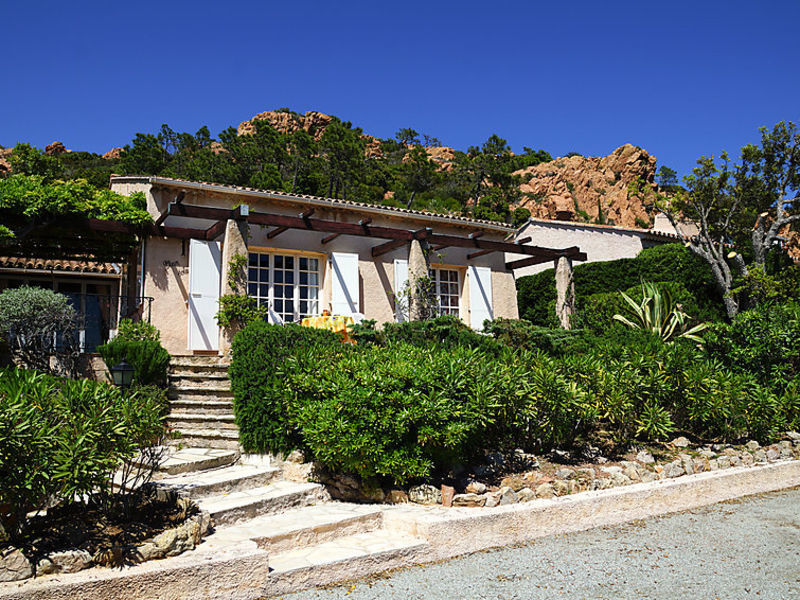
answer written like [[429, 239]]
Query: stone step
[[205, 376], [194, 360], [215, 482], [300, 527], [180, 370], [192, 383], [190, 460], [199, 393], [202, 407], [248, 504], [381, 549], [207, 438], [186, 421]]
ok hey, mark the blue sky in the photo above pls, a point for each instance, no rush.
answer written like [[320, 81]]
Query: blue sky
[[680, 79]]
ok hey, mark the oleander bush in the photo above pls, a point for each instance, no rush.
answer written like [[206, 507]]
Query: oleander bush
[[764, 342], [404, 410], [61, 440]]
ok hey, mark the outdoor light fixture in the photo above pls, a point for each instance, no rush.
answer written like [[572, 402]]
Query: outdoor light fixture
[[122, 374]]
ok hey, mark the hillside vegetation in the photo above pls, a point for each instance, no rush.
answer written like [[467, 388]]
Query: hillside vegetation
[[323, 155]]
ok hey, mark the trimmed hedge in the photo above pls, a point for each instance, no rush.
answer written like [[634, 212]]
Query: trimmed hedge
[[536, 294], [263, 357]]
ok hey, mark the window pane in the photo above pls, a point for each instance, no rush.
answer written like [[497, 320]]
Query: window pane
[[252, 259], [279, 305], [303, 278], [288, 261], [312, 279], [313, 264], [303, 292], [252, 274], [278, 276], [289, 276], [264, 261], [264, 290], [278, 262], [303, 263], [252, 289]]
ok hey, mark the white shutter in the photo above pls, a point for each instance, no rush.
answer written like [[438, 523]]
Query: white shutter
[[400, 285], [205, 268], [344, 292], [480, 296]]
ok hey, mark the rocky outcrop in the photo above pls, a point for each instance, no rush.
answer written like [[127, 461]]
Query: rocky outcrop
[[591, 189], [55, 148], [287, 122], [113, 153], [5, 164]]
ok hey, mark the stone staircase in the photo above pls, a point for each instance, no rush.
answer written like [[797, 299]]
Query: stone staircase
[[305, 535], [303, 532], [201, 403]]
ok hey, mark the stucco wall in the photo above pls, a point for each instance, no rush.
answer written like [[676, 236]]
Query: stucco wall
[[599, 243]]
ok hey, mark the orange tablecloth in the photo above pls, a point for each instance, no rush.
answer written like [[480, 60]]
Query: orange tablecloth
[[335, 323]]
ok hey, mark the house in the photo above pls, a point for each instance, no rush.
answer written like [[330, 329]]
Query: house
[[306, 254], [599, 242]]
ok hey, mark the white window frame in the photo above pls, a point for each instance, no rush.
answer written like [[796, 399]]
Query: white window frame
[[269, 299], [454, 305]]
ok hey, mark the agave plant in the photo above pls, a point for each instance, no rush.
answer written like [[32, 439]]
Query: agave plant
[[659, 314]]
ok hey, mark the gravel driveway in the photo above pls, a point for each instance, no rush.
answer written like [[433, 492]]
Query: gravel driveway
[[748, 548]]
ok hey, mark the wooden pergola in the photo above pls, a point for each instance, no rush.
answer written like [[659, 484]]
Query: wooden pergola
[[394, 237]]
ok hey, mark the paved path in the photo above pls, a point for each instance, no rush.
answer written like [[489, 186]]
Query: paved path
[[749, 548]]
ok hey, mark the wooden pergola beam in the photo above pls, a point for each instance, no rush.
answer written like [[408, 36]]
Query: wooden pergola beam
[[330, 238], [472, 255], [276, 232], [526, 262], [387, 247], [215, 230]]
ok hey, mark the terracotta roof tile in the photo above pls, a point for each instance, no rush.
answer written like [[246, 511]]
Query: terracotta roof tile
[[63, 265]]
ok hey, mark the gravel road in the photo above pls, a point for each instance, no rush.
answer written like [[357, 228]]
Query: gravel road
[[748, 548]]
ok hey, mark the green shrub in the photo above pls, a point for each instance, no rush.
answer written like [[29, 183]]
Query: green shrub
[[764, 341], [670, 262], [259, 372], [137, 331], [62, 439], [237, 311], [148, 357], [395, 413], [39, 324], [524, 335], [442, 332]]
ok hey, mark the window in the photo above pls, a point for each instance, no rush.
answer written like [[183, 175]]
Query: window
[[288, 284], [446, 284]]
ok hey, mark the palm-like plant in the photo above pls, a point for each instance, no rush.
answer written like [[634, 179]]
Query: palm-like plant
[[659, 314]]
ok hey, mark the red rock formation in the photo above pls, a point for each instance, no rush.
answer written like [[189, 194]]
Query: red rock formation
[[55, 148], [113, 153], [5, 165], [578, 188]]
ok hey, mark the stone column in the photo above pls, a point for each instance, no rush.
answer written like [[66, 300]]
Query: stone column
[[418, 268], [565, 292], [235, 243]]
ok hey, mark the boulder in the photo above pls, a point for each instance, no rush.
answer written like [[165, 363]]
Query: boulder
[[507, 496], [545, 490], [515, 483], [645, 457], [469, 500], [396, 497], [425, 494], [525, 495], [475, 487], [681, 442], [69, 561], [752, 445], [14, 565]]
